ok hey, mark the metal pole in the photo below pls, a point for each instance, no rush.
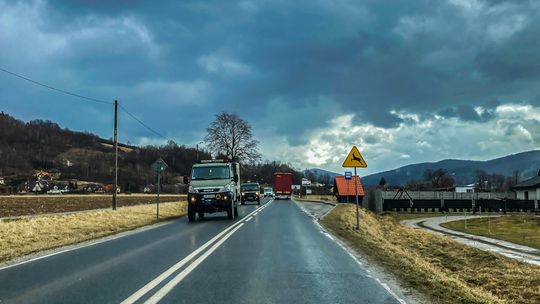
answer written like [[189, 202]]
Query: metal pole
[[115, 186], [158, 188], [197, 145], [356, 193], [347, 192]]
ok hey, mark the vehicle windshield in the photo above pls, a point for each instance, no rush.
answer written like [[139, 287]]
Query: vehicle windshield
[[214, 172], [250, 187], [267, 189]]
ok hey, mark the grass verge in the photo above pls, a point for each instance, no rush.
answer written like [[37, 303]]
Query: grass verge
[[17, 205], [444, 270], [400, 216], [519, 229], [29, 235]]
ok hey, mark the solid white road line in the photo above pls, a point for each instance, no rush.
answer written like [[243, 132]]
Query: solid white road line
[[337, 241], [152, 284], [172, 283]]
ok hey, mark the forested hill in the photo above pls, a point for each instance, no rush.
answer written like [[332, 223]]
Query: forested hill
[[44, 145]]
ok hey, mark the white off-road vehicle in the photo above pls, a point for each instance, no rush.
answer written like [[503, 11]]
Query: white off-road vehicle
[[214, 186]]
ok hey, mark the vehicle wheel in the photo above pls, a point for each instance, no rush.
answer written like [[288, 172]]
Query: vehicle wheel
[[230, 212], [201, 215], [191, 214], [243, 202], [235, 211]]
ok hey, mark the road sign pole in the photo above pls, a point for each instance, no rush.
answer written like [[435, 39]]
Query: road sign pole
[[348, 191], [356, 194], [115, 186], [158, 188]]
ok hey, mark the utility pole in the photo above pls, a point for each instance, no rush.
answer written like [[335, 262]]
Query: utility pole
[[115, 186], [197, 147]]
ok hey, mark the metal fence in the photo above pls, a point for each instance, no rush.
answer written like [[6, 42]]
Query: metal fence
[[460, 205], [448, 195]]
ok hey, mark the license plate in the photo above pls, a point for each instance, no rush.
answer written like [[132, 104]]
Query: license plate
[[209, 195]]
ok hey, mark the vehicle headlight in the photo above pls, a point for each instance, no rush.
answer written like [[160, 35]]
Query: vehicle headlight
[[192, 189], [243, 193], [225, 189], [256, 193]]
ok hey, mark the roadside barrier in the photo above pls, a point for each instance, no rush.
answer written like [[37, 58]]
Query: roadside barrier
[[460, 205]]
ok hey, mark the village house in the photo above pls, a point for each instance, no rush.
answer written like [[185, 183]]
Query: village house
[[344, 189], [528, 189]]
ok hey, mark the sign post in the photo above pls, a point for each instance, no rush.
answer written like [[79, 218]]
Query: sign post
[[355, 160], [348, 176], [159, 166]]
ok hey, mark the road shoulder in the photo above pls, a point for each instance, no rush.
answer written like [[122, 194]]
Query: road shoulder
[[317, 211]]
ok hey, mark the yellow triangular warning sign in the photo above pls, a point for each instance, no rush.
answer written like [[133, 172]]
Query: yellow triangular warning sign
[[354, 159]]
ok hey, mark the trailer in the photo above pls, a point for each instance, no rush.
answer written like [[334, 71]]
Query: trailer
[[283, 185]]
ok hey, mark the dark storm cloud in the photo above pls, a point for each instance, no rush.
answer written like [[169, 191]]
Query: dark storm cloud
[[468, 113], [177, 63]]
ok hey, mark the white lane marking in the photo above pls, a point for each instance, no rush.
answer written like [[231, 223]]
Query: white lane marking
[[385, 286], [249, 218], [337, 241], [152, 284], [176, 280], [88, 244]]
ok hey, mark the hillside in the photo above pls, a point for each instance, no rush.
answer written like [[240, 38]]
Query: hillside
[[44, 145], [320, 175], [463, 171]]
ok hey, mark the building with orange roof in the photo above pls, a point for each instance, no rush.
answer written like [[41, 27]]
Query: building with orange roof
[[344, 189]]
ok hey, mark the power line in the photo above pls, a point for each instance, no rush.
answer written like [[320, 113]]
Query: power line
[[55, 89], [82, 97], [140, 122]]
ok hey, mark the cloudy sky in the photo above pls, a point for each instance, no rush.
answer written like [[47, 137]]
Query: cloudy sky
[[407, 81]]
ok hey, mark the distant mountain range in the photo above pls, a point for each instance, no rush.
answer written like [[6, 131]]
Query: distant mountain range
[[463, 171], [319, 173]]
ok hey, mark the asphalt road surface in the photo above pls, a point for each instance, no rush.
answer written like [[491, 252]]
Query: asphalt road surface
[[273, 253]]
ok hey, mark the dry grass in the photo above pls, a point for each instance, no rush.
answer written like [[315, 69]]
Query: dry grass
[[519, 229], [400, 216], [24, 236], [319, 197], [16, 205], [446, 271]]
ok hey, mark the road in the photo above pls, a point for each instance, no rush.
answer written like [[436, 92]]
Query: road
[[273, 253], [514, 251]]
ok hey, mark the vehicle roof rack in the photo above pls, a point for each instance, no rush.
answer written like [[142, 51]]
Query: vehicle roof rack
[[210, 161]]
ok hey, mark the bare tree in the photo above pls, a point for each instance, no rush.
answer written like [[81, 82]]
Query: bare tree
[[231, 136], [439, 178]]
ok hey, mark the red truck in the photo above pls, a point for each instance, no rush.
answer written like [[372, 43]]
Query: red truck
[[282, 185]]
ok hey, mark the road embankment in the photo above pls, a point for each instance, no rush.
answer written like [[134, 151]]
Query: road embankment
[[444, 270], [24, 236]]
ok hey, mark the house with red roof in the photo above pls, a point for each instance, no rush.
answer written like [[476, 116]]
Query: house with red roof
[[344, 189]]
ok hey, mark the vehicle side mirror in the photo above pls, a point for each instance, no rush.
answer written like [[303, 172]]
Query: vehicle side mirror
[[186, 180], [235, 179]]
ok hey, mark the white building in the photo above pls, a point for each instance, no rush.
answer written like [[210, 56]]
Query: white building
[[465, 189], [528, 189]]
